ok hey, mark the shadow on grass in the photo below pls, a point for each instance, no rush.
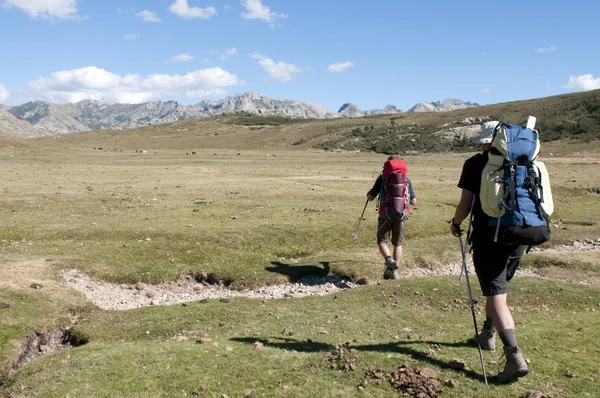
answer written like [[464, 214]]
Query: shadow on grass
[[295, 272], [401, 347]]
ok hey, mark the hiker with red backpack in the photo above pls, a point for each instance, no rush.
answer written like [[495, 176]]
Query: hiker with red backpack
[[507, 193], [395, 191]]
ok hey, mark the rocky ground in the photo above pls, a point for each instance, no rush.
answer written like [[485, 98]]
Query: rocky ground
[[122, 297]]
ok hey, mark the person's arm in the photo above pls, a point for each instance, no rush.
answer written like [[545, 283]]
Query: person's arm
[[470, 178], [462, 211], [374, 191]]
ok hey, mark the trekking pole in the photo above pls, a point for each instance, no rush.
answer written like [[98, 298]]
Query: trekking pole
[[468, 234], [466, 271], [355, 234]]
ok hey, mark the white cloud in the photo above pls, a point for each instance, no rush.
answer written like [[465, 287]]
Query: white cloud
[[583, 83], [131, 36], [148, 16], [256, 10], [4, 94], [45, 9], [545, 49], [225, 54], [277, 70], [96, 83], [182, 9], [486, 90], [340, 67], [181, 58]]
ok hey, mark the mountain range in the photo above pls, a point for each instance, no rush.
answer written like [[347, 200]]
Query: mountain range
[[87, 115]]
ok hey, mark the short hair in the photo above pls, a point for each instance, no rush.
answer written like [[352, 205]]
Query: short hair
[[392, 157]]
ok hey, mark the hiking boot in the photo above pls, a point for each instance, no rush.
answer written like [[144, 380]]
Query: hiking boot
[[391, 269], [514, 367], [486, 339]]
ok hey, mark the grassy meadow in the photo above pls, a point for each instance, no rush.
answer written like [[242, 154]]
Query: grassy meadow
[[253, 207]]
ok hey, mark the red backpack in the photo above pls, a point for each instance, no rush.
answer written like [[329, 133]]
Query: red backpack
[[393, 198]]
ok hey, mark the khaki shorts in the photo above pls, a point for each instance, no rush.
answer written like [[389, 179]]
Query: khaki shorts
[[386, 227]]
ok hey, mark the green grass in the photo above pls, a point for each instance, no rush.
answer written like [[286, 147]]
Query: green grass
[[129, 219], [407, 321], [125, 217]]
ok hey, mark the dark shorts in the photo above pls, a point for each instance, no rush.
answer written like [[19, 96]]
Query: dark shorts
[[395, 227], [495, 264]]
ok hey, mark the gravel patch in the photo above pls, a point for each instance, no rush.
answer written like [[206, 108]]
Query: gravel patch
[[111, 296]]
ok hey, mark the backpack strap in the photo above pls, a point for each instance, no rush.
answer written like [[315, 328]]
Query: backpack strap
[[511, 166], [512, 186], [496, 129]]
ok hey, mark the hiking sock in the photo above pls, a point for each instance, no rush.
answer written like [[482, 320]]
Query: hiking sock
[[489, 325], [508, 337]]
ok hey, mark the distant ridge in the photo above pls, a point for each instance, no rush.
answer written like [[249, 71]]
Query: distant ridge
[[449, 104], [89, 115], [389, 109]]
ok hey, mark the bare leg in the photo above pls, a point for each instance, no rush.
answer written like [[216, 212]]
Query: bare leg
[[384, 250], [397, 254], [497, 308]]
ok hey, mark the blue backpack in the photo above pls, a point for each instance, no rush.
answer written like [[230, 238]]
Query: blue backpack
[[515, 188]]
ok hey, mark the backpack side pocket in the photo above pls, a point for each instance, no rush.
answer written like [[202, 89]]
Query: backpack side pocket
[[492, 191]]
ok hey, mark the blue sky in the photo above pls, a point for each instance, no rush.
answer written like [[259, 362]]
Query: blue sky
[[322, 51]]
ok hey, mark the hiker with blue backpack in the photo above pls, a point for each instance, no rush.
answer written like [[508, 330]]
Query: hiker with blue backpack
[[395, 192], [506, 191]]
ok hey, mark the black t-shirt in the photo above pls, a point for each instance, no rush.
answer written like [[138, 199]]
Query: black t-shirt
[[470, 179]]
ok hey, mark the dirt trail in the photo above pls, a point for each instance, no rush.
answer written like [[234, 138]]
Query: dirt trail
[[122, 297]]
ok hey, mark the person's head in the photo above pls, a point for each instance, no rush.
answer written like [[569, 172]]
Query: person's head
[[392, 157], [486, 135]]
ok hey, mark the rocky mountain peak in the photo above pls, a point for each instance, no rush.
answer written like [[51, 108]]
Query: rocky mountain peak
[[350, 110], [389, 109]]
